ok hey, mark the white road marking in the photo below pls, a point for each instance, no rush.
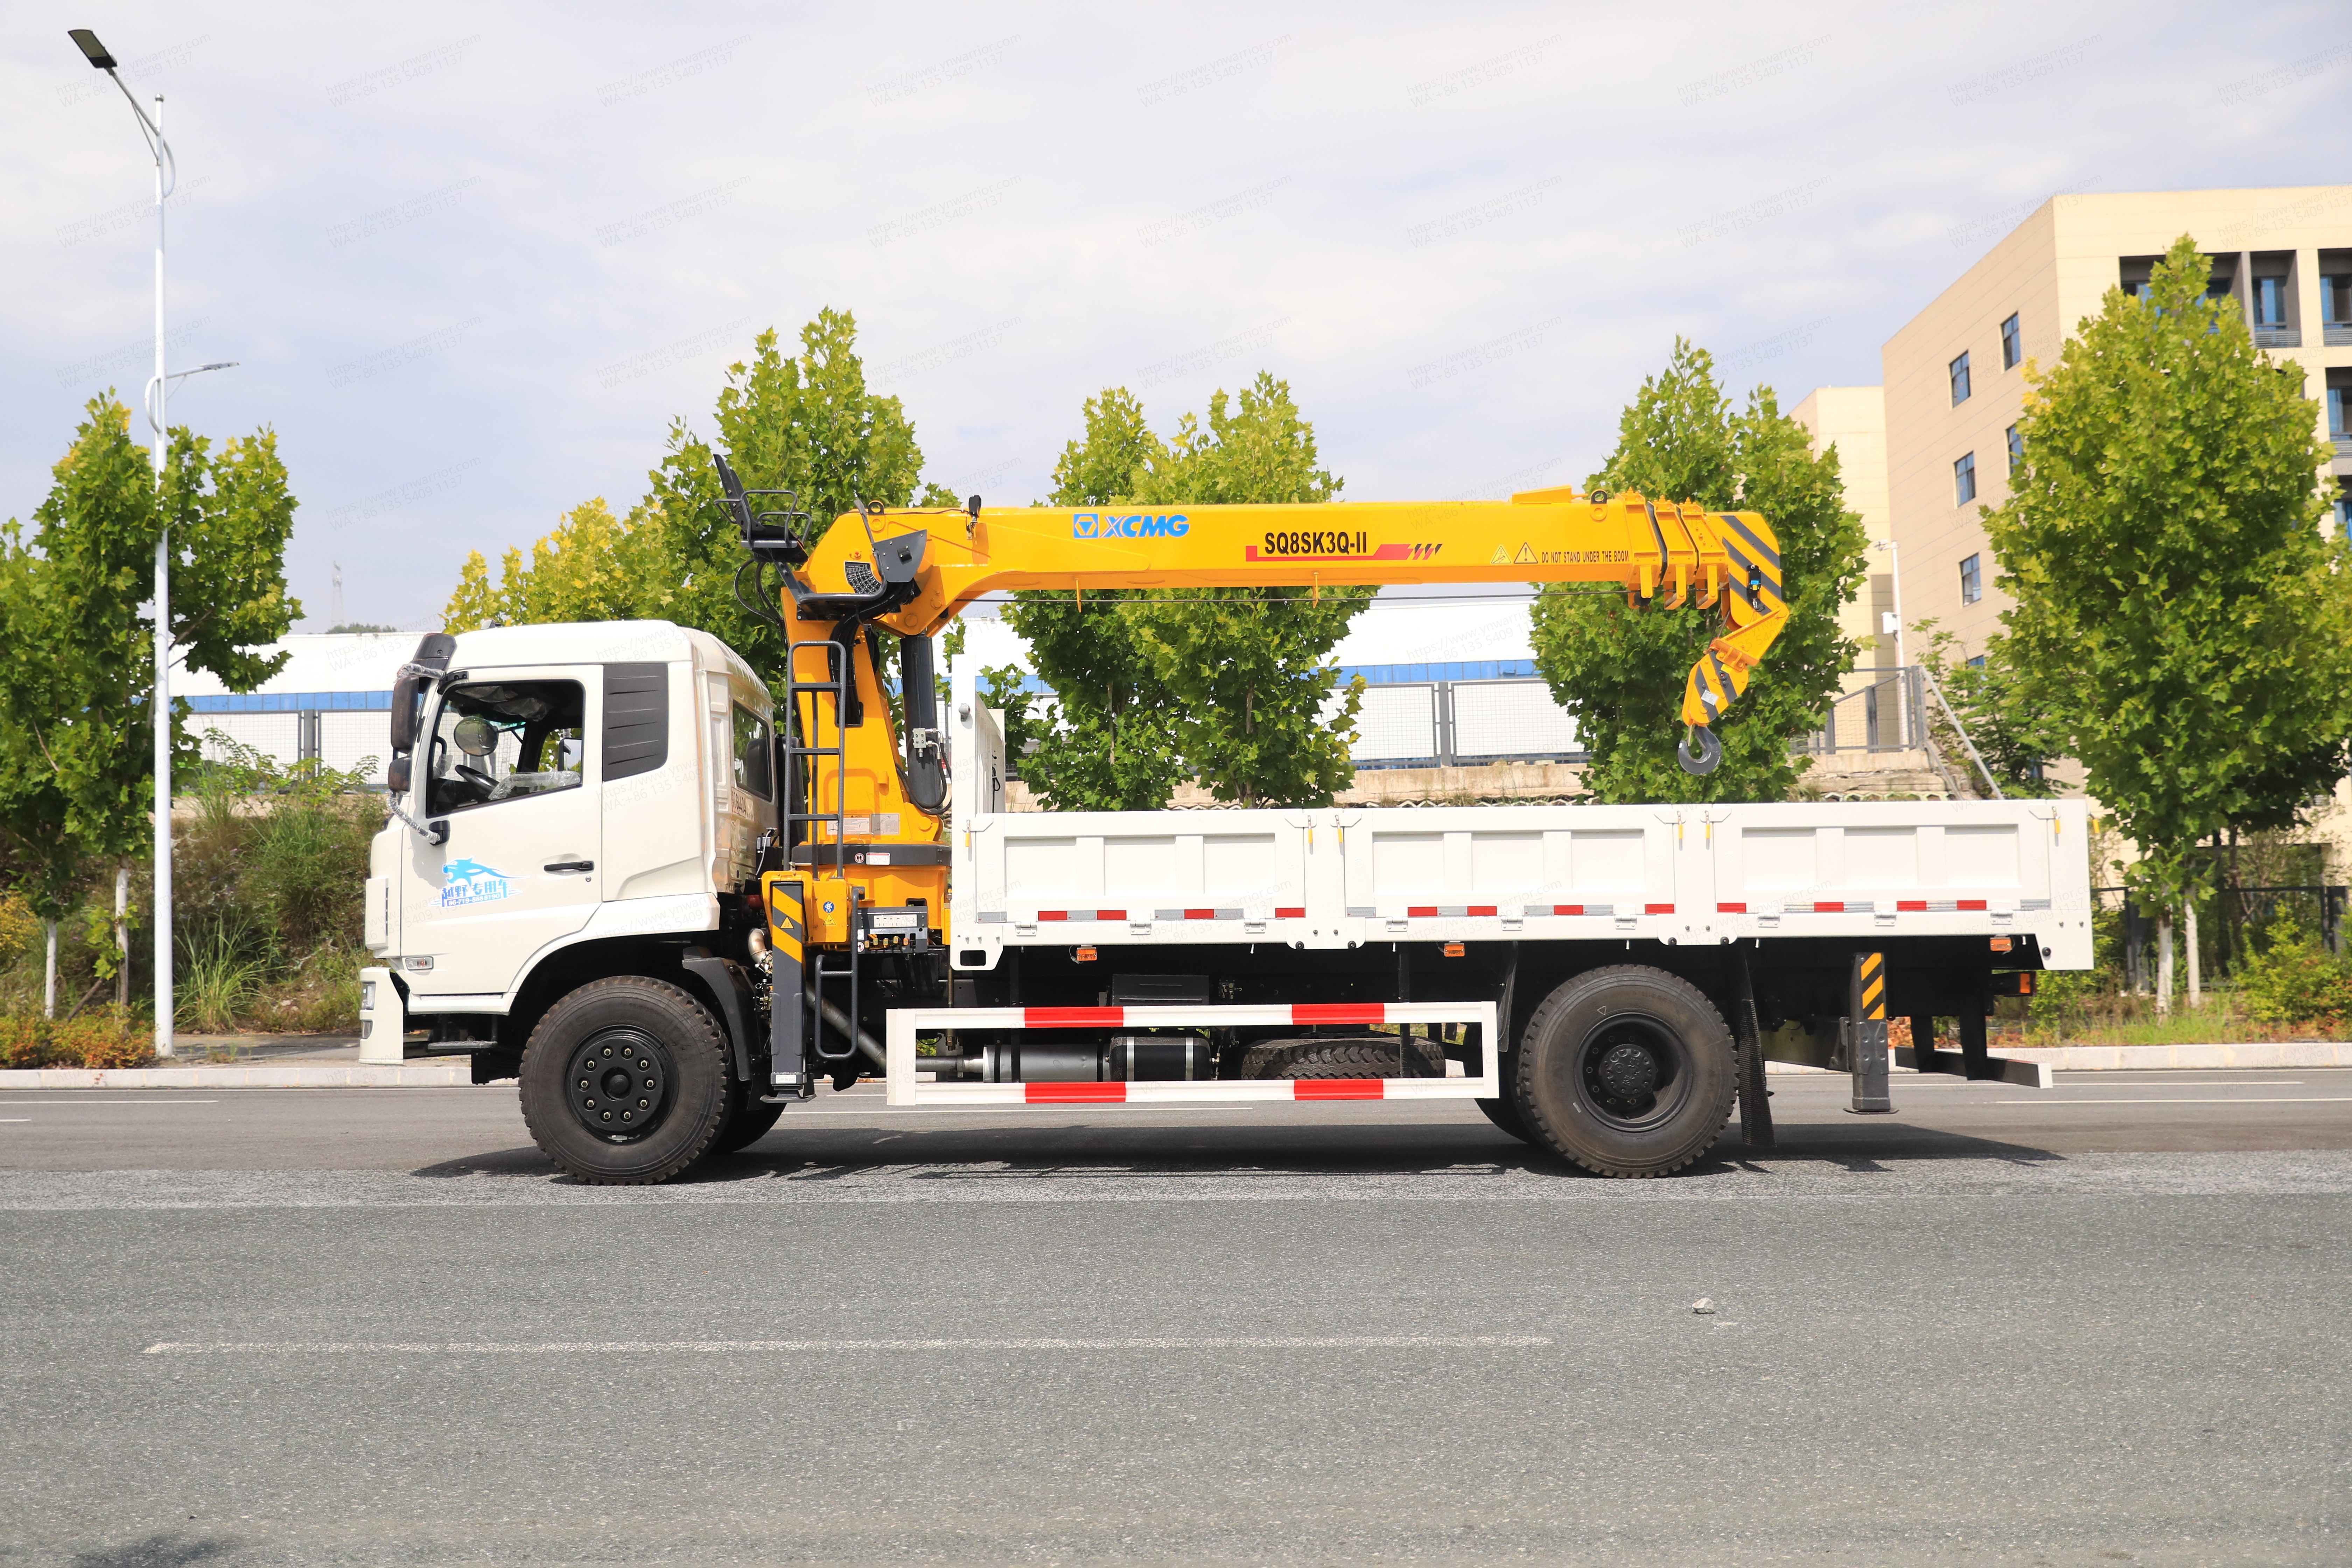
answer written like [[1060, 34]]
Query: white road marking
[[15, 1119], [45, 1102], [721, 1347], [2215, 1100]]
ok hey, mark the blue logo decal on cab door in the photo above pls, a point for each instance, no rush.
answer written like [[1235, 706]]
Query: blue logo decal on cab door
[[471, 882]]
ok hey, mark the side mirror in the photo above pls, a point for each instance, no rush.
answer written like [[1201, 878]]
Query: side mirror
[[395, 775], [434, 651]]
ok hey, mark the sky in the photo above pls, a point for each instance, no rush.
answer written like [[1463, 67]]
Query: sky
[[472, 260]]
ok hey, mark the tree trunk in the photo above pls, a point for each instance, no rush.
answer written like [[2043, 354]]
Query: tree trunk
[[49, 974], [122, 934], [2163, 962], [2196, 962]]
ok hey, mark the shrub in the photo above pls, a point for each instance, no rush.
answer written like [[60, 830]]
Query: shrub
[[2294, 980], [104, 1039], [24, 1041]]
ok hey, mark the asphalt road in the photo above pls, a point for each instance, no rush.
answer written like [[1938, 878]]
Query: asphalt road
[[2097, 1324]]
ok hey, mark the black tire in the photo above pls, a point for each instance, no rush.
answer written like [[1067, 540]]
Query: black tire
[[1627, 1071], [1357, 1056], [1504, 1114], [749, 1121], [626, 1082]]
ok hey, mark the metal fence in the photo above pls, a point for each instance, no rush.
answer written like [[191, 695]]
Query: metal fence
[[1441, 723], [1881, 710], [341, 739], [1426, 723], [2230, 919]]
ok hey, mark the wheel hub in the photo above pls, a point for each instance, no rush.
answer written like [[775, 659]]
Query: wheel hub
[[1632, 1070], [619, 1085], [1628, 1072]]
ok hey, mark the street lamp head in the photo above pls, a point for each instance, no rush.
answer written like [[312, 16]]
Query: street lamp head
[[87, 41]]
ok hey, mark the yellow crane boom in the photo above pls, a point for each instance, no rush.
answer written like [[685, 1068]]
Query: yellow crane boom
[[913, 570]]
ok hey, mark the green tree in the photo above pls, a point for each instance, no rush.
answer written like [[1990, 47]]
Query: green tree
[[592, 567], [77, 672], [2178, 603], [1246, 668], [1229, 684], [2017, 737], [806, 423], [1620, 669], [1112, 744]]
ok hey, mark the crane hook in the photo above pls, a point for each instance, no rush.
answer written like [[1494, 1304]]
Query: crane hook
[[1700, 753]]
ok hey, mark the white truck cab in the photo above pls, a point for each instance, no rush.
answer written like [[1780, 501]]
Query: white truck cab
[[566, 790]]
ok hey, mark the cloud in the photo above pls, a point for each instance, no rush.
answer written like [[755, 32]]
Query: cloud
[[514, 246]]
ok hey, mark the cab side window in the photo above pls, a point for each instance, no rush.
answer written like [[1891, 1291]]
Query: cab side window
[[499, 741], [753, 767]]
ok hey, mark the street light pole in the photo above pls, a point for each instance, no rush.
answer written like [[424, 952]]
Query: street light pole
[[166, 177], [1894, 575]]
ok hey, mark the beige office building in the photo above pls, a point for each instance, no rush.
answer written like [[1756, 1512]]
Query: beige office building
[[1853, 420], [1955, 375]]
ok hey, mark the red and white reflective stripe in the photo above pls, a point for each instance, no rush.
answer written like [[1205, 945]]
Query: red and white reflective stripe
[[1449, 911], [1863, 907], [1288, 912], [1115, 1092], [1568, 908]]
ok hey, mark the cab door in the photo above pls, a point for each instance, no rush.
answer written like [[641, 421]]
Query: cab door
[[509, 764]]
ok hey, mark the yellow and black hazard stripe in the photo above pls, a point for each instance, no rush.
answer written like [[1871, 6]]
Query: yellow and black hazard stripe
[[1755, 566], [787, 917], [1870, 982]]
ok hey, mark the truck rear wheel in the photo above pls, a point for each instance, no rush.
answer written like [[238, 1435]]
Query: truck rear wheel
[[626, 1082], [1628, 1071]]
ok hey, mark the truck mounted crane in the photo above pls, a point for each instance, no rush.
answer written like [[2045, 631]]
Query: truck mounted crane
[[796, 890]]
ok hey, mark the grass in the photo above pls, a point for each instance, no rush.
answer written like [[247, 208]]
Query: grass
[[2133, 1021], [216, 985]]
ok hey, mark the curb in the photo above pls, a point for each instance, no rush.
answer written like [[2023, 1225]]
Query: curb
[[2128, 1058], [451, 1073], [2157, 1059]]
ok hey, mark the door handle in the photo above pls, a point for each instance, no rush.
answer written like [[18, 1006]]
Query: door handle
[[569, 866]]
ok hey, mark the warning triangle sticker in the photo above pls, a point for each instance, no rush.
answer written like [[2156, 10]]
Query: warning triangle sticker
[[1525, 557], [1501, 557]]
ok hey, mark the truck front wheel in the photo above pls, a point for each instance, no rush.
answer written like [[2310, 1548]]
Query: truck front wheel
[[626, 1082], [1628, 1071]]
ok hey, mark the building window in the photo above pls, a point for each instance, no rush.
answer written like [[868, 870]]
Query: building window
[[2336, 300], [2270, 301], [1978, 662], [2013, 343], [1959, 369], [1964, 480], [1971, 580], [2344, 515], [2016, 451]]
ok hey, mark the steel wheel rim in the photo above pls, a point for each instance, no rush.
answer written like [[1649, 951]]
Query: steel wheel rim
[[620, 1084], [1633, 1071]]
